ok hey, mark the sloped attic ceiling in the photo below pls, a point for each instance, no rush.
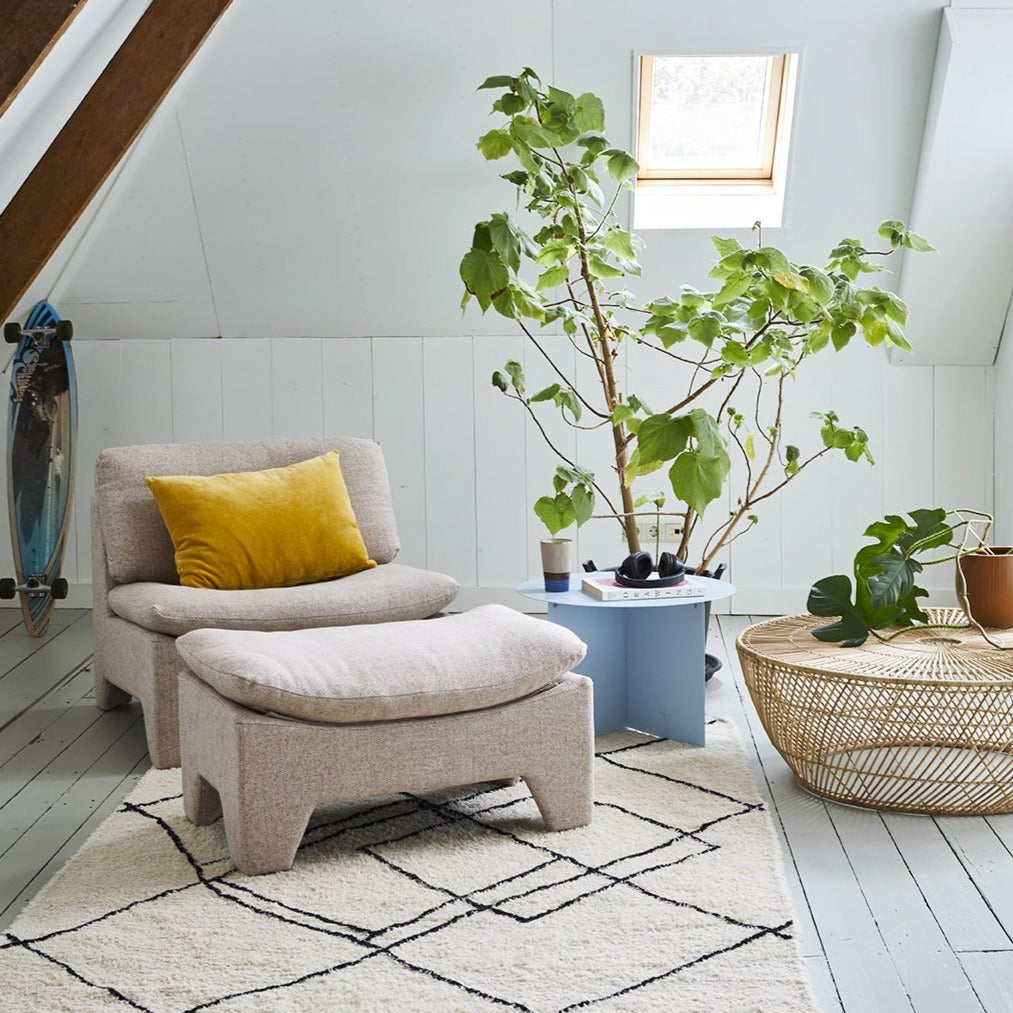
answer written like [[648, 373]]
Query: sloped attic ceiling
[[97, 133], [318, 175], [964, 194]]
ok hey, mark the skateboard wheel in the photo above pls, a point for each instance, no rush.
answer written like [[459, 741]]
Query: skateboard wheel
[[64, 330], [59, 588], [12, 333], [8, 587]]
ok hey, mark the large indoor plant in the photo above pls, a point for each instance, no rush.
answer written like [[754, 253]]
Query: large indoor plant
[[732, 350]]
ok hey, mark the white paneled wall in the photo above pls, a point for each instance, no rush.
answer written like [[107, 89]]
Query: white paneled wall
[[466, 465], [227, 283]]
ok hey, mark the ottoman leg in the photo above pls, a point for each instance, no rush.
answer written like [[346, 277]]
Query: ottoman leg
[[264, 833], [564, 797]]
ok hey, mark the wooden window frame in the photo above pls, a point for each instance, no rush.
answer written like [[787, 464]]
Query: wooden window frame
[[775, 104]]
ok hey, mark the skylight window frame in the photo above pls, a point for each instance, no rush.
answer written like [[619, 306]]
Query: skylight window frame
[[774, 133]]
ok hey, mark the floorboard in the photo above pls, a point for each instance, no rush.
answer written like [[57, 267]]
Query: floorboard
[[894, 913]]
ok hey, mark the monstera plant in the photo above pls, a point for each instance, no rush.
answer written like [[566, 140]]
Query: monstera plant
[[561, 263], [886, 593]]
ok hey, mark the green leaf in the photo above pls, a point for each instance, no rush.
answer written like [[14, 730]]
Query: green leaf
[[637, 465], [594, 143], [621, 413], [734, 353], [831, 596], [505, 241], [733, 287], [788, 279], [705, 328], [582, 498], [620, 243], [590, 113], [726, 247], [556, 512], [483, 273], [552, 277], [499, 81], [662, 437], [599, 268], [509, 103], [499, 381], [620, 164], [533, 134], [516, 373], [918, 243], [495, 144], [546, 393], [698, 478], [556, 251], [894, 580], [842, 334], [749, 447]]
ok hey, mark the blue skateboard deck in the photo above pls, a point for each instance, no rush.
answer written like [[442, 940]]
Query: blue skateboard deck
[[41, 433]]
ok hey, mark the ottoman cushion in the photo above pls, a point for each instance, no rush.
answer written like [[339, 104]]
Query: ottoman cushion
[[465, 662]]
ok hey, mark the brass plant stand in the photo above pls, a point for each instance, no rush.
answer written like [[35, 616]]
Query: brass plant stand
[[921, 724]]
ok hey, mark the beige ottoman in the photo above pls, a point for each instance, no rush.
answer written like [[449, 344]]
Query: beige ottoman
[[274, 724]]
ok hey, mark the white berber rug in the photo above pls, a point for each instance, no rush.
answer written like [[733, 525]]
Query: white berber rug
[[672, 900]]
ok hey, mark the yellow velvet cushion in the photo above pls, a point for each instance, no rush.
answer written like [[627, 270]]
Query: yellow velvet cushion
[[254, 529]]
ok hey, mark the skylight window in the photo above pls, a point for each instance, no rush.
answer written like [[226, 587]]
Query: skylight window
[[714, 126]]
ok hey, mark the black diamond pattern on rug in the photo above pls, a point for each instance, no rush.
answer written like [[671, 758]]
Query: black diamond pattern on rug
[[457, 899]]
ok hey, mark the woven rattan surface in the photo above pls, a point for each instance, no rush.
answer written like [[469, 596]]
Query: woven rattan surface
[[923, 723]]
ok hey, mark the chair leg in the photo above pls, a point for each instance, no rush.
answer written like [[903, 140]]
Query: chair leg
[[107, 695], [201, 801]]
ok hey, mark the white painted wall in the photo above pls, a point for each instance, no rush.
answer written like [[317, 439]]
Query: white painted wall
[[307, 192]]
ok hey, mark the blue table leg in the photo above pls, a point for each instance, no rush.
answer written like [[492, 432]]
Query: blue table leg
[[665, 671], [604, 631]]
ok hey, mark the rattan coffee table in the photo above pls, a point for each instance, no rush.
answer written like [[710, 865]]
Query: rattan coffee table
[[922, 724]]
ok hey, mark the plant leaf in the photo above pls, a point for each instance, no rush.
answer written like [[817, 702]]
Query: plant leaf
[[620, 164], [589, 114], [697, 478], [483, 273], [495, 144], [555, 512], [831, 596]]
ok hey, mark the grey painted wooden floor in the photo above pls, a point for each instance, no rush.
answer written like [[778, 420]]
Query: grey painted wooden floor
[[895, 913]]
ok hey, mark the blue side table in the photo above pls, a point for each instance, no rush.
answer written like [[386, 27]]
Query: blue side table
[[645, 656]]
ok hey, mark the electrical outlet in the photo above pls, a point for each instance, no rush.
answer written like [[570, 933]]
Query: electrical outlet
[[648, 532]]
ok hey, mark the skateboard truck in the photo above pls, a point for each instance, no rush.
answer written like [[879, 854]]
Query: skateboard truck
[[62, 330], [35, 586]]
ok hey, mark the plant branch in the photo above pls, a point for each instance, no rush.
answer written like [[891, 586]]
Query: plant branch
[[560, 373]]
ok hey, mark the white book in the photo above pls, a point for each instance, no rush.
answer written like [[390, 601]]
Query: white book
[[609, 589]]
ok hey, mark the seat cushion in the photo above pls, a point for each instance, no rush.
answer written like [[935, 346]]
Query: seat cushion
[[277, 527], [387, 593], [465, 662]]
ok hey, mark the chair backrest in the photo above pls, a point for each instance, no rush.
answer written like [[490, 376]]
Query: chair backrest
[[137, 544]]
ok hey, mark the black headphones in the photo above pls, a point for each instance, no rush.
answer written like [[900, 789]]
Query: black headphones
[[637, 570]]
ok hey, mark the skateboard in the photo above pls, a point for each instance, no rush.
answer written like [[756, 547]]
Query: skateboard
[[41, 431]]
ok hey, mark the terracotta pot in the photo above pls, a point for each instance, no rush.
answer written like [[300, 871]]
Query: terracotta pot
[[989, 582], [556, 555]]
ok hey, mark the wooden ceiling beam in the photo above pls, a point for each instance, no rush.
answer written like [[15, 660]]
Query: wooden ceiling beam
[[96, 137], [29, 31]]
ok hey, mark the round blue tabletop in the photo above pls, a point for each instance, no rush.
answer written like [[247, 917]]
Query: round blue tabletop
[[714, 590]]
